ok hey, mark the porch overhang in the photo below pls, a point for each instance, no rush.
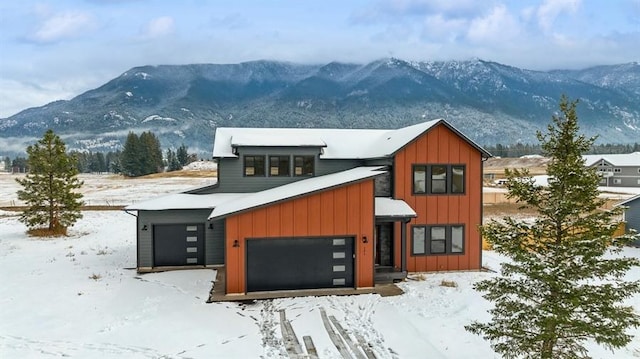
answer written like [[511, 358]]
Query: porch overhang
[[393, 210]]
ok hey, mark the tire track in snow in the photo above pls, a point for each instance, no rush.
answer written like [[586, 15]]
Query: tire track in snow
[[358, 322]]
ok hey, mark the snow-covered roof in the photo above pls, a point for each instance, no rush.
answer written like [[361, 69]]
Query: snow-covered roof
[[295, 189], [246, 138], [628, 200], [622, 159], [184, 201], [389, 207], [337, 143]]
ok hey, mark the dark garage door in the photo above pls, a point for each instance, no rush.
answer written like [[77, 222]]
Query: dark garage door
[[178, 244], [299, 263]]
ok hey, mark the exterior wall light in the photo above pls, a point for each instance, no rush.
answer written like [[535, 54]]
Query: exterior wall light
[[144, 227], [236, 243]]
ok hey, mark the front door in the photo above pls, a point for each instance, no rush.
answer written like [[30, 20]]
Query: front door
[[384, 244]]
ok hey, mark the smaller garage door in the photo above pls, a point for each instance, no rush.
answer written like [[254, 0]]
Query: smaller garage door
[[178, 244], [299, 263]]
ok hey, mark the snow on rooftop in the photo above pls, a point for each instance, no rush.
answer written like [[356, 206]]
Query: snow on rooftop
[[338, 143], [269, 139], [389, 207], [184, 201], [294, 189], [619, 159]]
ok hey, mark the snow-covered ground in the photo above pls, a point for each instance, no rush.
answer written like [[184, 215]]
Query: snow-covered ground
[[109, 189], [78, 296]]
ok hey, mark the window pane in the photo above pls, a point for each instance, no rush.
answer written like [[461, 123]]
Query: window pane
[[419, 179], [438, 179], [457, 239], [457, 179], [304, 165], [419, 240], [437, 246], [278, 166], [438, 233], [254, 165]]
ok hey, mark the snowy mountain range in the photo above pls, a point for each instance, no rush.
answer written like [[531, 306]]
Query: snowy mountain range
[[490, 102]]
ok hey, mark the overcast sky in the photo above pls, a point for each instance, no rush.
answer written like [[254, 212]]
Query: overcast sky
[[51, 50]]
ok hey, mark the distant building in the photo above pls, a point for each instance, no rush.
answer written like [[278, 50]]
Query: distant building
[[617, 170]]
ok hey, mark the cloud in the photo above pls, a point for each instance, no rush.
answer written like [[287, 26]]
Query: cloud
[[385, 10], [62, 25], [159, 27], [551, 9], [498, 25]]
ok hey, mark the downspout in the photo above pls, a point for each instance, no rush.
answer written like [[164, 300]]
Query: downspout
[[484, 159], [403, 245]]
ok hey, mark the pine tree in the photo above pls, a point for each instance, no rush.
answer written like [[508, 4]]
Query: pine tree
[[564, 282], [172, 161], [48, 188], [130, 157], [182, 155]]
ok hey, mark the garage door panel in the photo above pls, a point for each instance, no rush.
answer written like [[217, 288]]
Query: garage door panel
[[299, 263], [178, 244]]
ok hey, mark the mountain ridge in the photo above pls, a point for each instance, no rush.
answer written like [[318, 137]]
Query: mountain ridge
[[491, 102]]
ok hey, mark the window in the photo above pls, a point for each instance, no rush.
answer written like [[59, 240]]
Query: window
[[440, 239], [457, 179], [278, 166], [253, 166], [617, 170], [438, 179], [303, 165], [419, 240], [617, 181]]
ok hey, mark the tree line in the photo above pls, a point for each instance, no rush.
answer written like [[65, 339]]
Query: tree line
[[141, 155], [524, 149]]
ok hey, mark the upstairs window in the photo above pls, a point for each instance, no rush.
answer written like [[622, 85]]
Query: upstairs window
[[303, 165], [439, 179], [254, 166], [279, 166]]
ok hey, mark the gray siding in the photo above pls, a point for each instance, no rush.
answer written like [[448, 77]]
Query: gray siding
[[627, 176], [632, 215], [231, 175], [214, 238]]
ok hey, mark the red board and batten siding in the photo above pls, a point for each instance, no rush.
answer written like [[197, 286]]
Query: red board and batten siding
[[342, 211], [441, 145]]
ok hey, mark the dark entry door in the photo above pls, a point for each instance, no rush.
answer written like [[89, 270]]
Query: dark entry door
[[178, 244], [299, 263]]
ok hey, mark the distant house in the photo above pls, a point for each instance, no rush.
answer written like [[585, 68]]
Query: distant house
[[617, 170], [323, 208], [632, 214]]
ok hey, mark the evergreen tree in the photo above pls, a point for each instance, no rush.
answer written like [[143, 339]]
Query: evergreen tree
[[172, 161], [48, 189], [561, 286], [130, 159], [20, 164], [182, 155], [151, 154]]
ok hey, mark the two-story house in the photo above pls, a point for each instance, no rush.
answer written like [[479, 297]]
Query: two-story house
[[323, 208], [616, 170]]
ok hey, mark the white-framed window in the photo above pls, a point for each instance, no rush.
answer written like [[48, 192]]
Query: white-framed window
[[617, 181], [617, 170]]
